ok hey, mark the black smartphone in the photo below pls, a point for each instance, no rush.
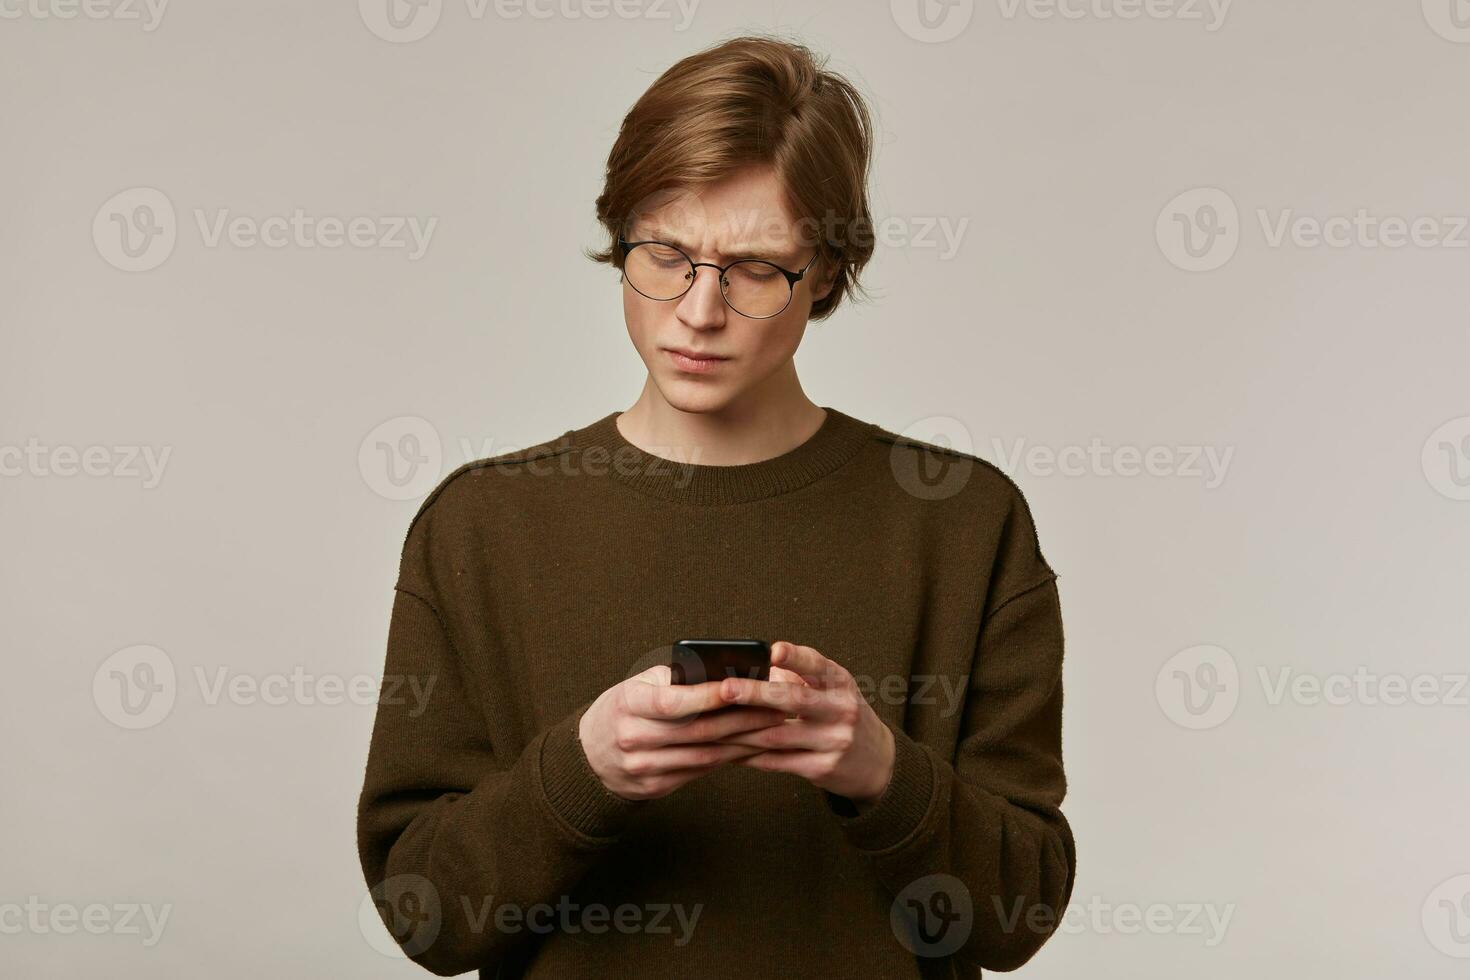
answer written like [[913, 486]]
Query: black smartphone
[[697, 661]]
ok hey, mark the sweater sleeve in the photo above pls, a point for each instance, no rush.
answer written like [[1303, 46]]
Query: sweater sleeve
[[980, 838], [451, 827]]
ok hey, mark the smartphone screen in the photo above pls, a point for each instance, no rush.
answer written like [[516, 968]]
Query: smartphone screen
[[697, 661]]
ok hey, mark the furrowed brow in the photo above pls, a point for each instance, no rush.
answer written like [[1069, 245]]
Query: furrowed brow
[[742, 252]]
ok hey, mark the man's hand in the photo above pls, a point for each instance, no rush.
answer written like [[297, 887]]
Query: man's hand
[[830, 735], [645, 737]]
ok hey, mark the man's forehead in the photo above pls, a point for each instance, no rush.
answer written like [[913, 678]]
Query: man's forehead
[[728, 234]]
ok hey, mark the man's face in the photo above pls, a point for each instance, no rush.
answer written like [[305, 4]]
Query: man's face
[[742, 216]]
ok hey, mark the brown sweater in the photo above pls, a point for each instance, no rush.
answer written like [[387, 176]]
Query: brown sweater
[[533, 581]]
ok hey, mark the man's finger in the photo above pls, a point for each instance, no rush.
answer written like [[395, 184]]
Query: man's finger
[[788, 736], [785, 676], [814, 668], [794, 699], [715, 726], [666, 701]]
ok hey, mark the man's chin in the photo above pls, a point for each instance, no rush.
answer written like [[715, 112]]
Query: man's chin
[[695, 395]]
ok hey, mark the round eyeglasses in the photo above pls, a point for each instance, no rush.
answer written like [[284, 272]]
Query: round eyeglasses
[[753, 288]]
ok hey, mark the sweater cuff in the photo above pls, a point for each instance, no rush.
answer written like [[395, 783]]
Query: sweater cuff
[[573, 790], [895, 815]]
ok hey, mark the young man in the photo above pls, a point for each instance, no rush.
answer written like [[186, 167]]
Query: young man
[[887, 803]]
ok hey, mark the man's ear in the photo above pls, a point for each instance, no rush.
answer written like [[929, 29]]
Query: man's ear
[[823, 285]]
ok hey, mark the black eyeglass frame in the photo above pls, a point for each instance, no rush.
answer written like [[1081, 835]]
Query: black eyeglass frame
[[792, 278]]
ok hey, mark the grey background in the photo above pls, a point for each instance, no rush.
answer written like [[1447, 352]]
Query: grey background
[[1331, 835]]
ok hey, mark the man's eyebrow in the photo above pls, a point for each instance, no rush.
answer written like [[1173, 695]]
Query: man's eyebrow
[[743, 251]]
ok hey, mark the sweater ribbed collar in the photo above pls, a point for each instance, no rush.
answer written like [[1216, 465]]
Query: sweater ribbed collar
[[837, 440]]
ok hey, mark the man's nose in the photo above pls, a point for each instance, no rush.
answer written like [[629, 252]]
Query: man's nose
[[704, 303]]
